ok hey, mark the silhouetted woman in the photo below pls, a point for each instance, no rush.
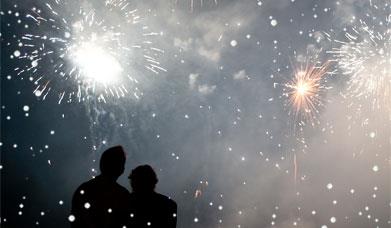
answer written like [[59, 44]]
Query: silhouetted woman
[[148, 208]]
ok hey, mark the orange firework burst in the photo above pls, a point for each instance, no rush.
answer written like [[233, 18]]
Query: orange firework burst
[[305, 88]]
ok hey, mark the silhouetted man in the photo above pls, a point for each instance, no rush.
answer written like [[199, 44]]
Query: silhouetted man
[[148, 208], [101, 202]]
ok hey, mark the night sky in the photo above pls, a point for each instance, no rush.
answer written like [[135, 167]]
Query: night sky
[[202, 91]]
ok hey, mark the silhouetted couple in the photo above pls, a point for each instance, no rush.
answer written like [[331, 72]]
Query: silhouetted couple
[[102, 202]]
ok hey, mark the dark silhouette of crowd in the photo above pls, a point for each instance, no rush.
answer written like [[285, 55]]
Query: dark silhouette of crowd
[[102, 203]]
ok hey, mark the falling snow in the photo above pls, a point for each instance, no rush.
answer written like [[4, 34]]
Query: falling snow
[[253, 113]]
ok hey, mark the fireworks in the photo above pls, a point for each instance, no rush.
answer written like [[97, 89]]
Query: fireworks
[[365, 57], [92, 51], [194, 3], [304, 90]]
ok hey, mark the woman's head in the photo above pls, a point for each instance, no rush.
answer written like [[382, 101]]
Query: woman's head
[[143, 179]]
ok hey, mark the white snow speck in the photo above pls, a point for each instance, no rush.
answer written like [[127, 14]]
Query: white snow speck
[[17, 53], [26, 108], [71, 218], [333, 219]]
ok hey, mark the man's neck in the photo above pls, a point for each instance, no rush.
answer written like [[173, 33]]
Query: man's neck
[[108, 178]]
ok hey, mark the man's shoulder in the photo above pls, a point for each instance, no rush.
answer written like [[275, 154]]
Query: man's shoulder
[[86, 185], [166, 200], [98, 185], [121, 189]]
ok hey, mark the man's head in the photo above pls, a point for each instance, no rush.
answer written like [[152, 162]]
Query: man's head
[[112, 162], [143, 179]]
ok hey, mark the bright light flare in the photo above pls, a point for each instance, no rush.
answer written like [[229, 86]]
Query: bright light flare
[[303, 86], [304, 90], [96, 64]]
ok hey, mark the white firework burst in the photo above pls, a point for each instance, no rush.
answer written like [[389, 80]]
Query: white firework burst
[[365, 57], [86, 51]]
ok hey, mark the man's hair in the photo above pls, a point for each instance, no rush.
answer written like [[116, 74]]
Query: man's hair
[[143, 179], [112, 161]]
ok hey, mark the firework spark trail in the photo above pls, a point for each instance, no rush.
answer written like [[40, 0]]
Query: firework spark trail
[[295, 169], [305, 90], [365, 56], [201, 3], [86, 52]]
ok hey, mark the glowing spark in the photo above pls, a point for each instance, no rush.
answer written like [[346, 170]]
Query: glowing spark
[[200, 189], [305, 88], [197, 193]]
